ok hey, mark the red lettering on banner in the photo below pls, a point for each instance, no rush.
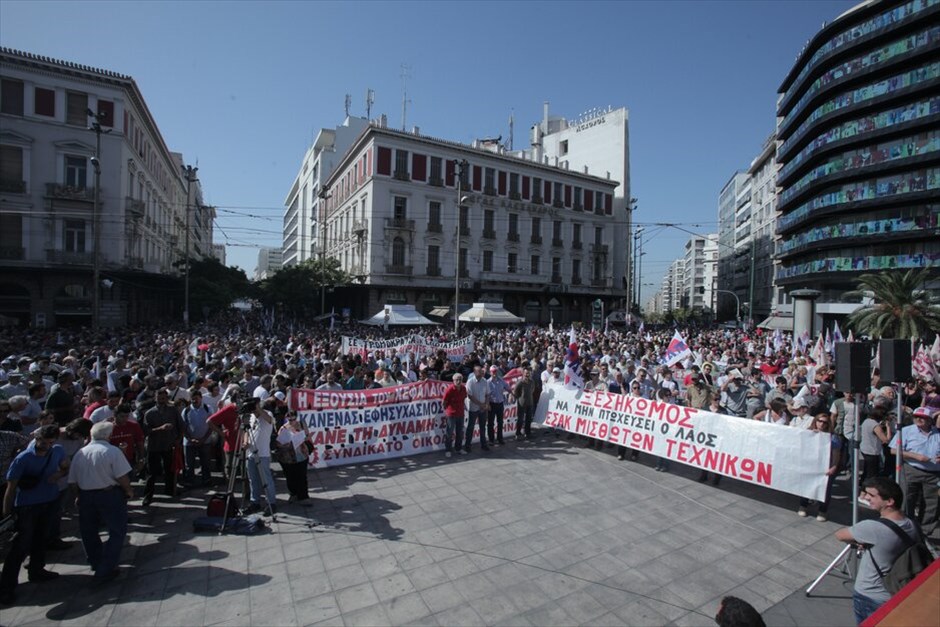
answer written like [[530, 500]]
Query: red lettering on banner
[[580, 425]]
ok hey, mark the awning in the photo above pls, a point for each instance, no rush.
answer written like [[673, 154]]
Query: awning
[[774, 322], [489, 313], [440, 312], [398, 316]]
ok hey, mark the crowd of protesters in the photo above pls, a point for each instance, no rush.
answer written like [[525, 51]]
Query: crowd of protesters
[[172, 403]]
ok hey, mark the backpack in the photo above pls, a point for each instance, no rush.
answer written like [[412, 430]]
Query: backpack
[[914, 559]]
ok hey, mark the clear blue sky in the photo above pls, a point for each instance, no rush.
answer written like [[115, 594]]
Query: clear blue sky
[[243, 86]]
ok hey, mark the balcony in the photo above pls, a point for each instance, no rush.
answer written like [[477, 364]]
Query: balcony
[[402, 175], [576, 245], [134, 207], [556, 278], [397, 269], [557, 203], [464, 272], [402, 224], [12, 186], [577, 207], [70, 258], [536, 239], [67, 192], [435, 227], [433, 271], [135, 263], [489, 190], [536, 200], [515, 196], [12, 253], [512, 237], [360, 226], [599, 249], [489, 234], [436, 181], [598, 282], [557, 243], [576, 280]]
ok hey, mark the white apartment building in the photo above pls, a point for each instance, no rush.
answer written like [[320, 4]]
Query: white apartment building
[[539, 238], [270, 260], [596, 142], [763, 175], [301, 217], [218, 251], [700, 268], [47, 199]]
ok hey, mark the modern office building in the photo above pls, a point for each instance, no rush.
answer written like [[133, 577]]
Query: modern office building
[[270, 260], [303, 199], [858, 132], [539, 238], [763, 175], [48, 164], [732, 197]]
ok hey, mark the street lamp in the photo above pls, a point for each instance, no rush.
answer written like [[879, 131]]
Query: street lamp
[[96, 217], [628, 297], [189, 172], [462, 165], [635, 288]]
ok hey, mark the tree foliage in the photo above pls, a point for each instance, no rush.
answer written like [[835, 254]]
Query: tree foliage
[[296, 288], [213, 285], [901, 307]]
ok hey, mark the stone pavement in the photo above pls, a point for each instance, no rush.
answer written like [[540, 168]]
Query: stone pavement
[[536, 533]]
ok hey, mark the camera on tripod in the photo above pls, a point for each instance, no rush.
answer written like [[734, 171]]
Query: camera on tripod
[[246, 409]]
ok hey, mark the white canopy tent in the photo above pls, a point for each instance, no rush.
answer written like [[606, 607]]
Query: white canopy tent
[[489, 313], [398, 316]]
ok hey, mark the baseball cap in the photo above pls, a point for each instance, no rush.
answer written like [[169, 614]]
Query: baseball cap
[[798, 403], [923, 412], [556, 369]]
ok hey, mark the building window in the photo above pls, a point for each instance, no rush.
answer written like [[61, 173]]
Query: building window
[[556, 230], [401, 163], [398, 252], [11, 97], [401, 208], [434, 213], [487, 261], [514, 226], [536, 189], [576, 269], [578, 201], [556, 267], [436, 170], [489, 180], [44, 102], [434, 260], [576, 234], [11, 169], [74, 236], [598, 235], [11, 233], [513, 184], [106, 113], [76, 172], [76, 109], [536, 262], [536, 230], [511, 263], [464, 268], [558, 193], [464, 219], [489, 223], [563, 147]]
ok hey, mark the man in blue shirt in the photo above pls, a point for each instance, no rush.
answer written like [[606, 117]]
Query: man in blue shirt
[[199, 439], [40, 466], [920, 447]]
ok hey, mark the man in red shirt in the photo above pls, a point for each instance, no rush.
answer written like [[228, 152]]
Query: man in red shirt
[[454, 404], [128, 436], [225, 423]]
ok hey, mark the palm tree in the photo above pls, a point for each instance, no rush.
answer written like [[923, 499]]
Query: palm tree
[[902, 308]]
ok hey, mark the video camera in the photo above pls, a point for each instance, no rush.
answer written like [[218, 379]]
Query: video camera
[[248, 406]]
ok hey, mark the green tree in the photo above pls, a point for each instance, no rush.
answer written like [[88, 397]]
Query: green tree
[[296, 288], [901, 307], [213, 286]]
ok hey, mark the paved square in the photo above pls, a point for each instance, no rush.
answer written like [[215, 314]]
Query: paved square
[[537, 533]]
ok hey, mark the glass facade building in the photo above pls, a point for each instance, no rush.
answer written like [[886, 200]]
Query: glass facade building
[[858, 132]]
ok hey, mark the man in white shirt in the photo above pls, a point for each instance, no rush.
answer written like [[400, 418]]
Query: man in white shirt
[[105, 413], [478, 397], [259, 457], [99, 472]]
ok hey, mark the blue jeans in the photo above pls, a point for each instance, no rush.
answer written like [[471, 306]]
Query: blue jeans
[[476, 417], [259, 467], [453, 428], [94, 508], [863, 607]]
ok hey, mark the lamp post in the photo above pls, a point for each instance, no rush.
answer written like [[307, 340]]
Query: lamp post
[[324, 196], [96, 218], [736, 300], [628, 296], [461, 165], [635, 289], [189, 173]]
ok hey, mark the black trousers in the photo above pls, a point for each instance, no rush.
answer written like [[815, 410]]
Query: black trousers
[[31, 535], [296, 476], [161, 463]]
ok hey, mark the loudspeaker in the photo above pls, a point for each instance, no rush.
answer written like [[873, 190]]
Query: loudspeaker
[[895, 361], [853, 367]]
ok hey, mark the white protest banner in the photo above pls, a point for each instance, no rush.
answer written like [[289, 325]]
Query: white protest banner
[[355, 426], [782, 458], [419, 345]]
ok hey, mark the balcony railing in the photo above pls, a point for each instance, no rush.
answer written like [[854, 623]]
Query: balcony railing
[[599, 249], [578, 207], [12, 253], [556, 278], [402, 175], [360, 226], [489, 190], [557, 243], [515, 196], [67, 192], [512, 237], [536, 239], [536, 200], [12, 186], [400, 223], [436, 181], [70, 258], [134, 206], [435, 227], [489, 234], [557, 203], [576, 280], [433, 271], [598, 282], [397, 269], [576, 245]]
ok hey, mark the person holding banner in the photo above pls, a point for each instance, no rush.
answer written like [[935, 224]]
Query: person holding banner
[[478, 393], [454, 404], [823, 424], [524, 393]]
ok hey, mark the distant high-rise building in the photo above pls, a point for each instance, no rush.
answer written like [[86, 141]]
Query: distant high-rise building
[[763, 175], [858, 148], [700, 267], [270, 260], [218, 251], [734, 203]]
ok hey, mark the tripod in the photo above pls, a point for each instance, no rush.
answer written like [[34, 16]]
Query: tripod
[[240, 465]]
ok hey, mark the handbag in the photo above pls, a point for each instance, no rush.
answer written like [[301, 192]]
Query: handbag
[[31, 482]]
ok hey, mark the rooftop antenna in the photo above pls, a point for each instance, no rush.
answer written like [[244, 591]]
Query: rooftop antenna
[[348, 102], [404, 95], [512, 115], [370, 100]]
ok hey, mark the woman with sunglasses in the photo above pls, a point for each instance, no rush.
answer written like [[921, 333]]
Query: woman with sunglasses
[[823, 424]]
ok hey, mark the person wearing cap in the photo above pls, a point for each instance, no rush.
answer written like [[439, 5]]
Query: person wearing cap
[[734, 394], [802, 418], [14, 386], [101, 475], [198, 438], [494, 417], [698, 394], [919, 448]]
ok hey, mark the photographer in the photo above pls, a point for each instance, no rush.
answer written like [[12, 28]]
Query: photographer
[[882, 544], [258, 431]]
